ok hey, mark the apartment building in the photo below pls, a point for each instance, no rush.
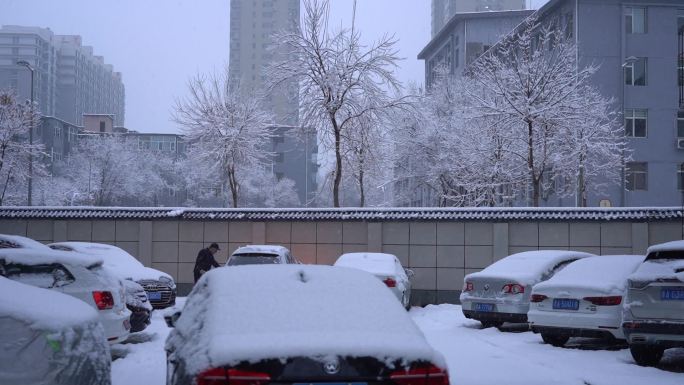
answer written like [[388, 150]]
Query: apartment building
[[444, 10]]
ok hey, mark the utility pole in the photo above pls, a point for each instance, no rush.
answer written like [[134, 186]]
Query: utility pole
[[24, 63]]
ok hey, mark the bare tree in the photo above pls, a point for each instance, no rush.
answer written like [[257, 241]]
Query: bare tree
[[340, 80], [227, 130], [16, 119]]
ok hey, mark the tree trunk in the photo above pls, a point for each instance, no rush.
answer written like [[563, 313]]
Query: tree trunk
[[232, 182], [362, 203], [581, 184], [530, 164], [4, 189], [338, 165]]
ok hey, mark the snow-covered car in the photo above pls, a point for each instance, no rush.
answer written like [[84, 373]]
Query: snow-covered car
[[384, 266], [583, 300], [49, 338], [159, 286], [653, 318], [297, 324], [80, 276], [19, 242], [261, 255], [501, 292], [138, 304]]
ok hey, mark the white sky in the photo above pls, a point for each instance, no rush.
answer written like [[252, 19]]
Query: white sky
[[159, 44]]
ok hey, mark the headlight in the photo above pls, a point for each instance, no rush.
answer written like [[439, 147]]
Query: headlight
[[167, 281]]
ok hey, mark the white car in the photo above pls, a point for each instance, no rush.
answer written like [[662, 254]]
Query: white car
[[653, 318], [261, 255], [297, 324], [19, 242], [159, 286], [583, 300], [80, 276], [501, 292], [384, 266], [49, 338]]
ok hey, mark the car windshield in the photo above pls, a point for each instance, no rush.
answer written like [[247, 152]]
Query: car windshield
[[253, 259], [665, 254]]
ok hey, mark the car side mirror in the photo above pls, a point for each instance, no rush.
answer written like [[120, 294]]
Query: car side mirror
[[409, 273], [172, 318]]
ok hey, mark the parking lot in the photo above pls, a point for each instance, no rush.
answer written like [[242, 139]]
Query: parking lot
[[474, 355]]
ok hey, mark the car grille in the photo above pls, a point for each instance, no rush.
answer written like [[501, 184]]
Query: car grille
[[168, 296]]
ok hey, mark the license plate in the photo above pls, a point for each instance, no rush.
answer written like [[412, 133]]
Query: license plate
[[486, 307], [565, 304], [672, 294], [154, 296]]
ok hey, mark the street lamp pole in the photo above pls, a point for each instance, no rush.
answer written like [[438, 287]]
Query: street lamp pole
[[628, 62], [24, 63]]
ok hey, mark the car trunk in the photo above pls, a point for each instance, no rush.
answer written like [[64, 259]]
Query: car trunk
[[572, 300], [659, 300], [484, 287]]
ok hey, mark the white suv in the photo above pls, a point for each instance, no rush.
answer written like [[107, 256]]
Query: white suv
[[79, 276]]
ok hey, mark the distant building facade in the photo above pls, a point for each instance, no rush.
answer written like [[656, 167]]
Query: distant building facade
[[444, 10], [296, 157], [69, 79]]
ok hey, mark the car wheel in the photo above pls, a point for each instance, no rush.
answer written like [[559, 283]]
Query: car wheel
[[646, 355], [491, 324], [554, 339]]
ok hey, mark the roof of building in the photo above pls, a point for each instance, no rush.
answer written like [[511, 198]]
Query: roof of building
[[468, 16], [642, 214]]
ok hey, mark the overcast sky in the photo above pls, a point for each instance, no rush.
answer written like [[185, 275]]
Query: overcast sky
[[158, 44]]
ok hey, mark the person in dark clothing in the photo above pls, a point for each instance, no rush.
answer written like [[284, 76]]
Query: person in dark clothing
[[205, 261]]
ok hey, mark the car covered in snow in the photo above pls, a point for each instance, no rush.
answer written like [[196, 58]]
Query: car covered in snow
[[51, 338], [501, 292], [384, 266], [19, 242], [159, 286], [583, 300], [261, 255], [80, 276], [653, 318], [297, 324]]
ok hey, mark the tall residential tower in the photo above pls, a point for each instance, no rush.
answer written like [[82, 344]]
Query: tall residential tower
[[443, 10]]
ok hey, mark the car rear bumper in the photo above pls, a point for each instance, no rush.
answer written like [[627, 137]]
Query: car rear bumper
[[504, 311], [576, 324], [495, 316], [574, 332], [663, 333], [117, 325]]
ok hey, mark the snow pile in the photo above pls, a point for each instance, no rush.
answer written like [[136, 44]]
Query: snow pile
[[47, 256], [261, 249], [15, 241], [135, 295], [374, 263], [527, 267], [250, 313], [605, 274]]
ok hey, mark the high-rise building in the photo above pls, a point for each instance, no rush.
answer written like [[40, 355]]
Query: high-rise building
[[69, 80], [443, 10], [252, 23]]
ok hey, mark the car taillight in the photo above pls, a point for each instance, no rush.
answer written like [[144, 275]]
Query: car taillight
[[221, 376], [605, 301], [427, 375], [538, 297], [513, 288], [468, 286], [390, 282], [103, 299]]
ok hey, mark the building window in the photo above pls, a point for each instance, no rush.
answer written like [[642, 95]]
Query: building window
[[635, 20], [58, 132], [637, 176], [680, 124], [636, 123], [680, 177], [635, 72], [102, 126]]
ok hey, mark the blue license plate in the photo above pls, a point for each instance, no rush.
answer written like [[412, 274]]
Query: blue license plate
[[486, 307], [671, 294], [565, 304], [154, 296]]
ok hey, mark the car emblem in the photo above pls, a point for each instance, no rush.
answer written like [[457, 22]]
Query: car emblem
[[331, 367], [486, 286]]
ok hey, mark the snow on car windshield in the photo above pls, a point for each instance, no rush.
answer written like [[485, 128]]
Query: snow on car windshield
[[527, 267], [252, 259], [376, 263]]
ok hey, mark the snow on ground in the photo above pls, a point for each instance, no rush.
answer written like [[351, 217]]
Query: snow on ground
[[474, 356]]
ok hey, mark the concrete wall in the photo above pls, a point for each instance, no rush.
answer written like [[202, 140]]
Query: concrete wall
[[440, 253]]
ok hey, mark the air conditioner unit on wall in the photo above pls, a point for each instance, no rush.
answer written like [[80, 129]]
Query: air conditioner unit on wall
[[680, 143]]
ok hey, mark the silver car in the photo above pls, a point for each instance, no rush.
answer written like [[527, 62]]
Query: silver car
[[653, 318], [501, 292]]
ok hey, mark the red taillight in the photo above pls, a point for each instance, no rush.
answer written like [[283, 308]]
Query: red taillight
[[390, 282], [425, 375], [513, 288], [221, 376], [468, 286], [605, 301], [538, 297], [103, 299]]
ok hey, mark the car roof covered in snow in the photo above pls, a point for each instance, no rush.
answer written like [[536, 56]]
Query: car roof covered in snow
[[376, 263], [527, 267], [261, 249], [117, 260], [667, 246], [42, 308], [19, 242], [255, 312], [48, 256], [605, 274]]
